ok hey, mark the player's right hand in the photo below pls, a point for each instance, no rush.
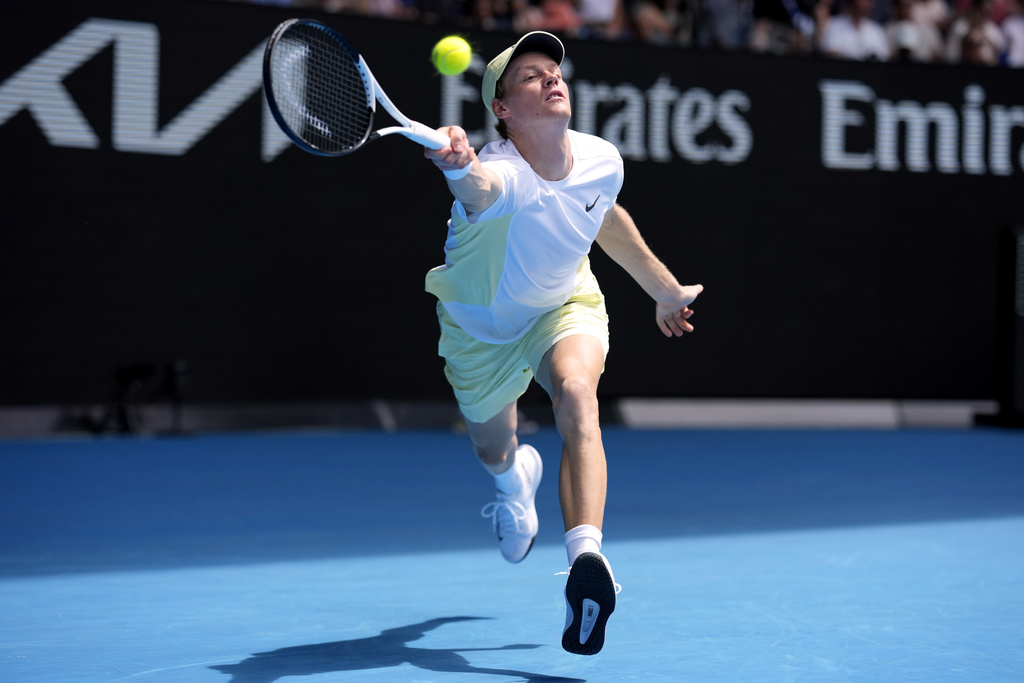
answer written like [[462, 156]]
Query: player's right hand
[[458, 154]]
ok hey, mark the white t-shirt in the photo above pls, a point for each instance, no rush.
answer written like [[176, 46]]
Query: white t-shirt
[[1013, 30], [597, 11], [852, 41], [518, 259]]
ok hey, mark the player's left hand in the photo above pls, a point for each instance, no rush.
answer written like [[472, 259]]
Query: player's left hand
[[673, 316]]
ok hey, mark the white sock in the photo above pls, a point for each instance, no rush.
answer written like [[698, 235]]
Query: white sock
[[511, 480], [585, 538]]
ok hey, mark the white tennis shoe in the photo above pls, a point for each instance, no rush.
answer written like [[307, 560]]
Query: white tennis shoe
[[514, 515]]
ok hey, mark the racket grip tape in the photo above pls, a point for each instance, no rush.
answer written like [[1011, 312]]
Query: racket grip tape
[[426, 136]]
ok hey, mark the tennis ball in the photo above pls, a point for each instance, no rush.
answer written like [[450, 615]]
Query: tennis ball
[[451, 55]]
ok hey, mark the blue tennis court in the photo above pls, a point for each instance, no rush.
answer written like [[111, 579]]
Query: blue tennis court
[[744, 555]]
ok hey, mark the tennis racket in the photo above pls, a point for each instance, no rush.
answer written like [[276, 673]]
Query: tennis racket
[[323, 95]]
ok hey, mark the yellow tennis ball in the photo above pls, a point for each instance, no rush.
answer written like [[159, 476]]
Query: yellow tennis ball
[[452, 55]]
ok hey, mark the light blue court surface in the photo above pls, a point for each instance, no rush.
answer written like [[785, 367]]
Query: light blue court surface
[[361, 556]]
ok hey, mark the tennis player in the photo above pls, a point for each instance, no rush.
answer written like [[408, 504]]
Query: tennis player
[[517, 302]]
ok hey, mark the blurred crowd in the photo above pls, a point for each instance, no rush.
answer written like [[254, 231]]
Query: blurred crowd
[[982, 32]]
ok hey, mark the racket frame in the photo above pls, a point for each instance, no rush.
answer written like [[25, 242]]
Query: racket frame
[[413, 130]]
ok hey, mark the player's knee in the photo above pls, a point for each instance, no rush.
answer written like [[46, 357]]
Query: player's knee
[[492, 447], [492, 454], [575, 403]]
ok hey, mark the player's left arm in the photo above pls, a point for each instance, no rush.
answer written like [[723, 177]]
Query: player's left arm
[[622, 241]]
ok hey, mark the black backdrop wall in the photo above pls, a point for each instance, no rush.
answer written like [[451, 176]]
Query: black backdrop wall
[[844, 218]]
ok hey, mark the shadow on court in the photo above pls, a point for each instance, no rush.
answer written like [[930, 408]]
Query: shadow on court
[[388, 649]]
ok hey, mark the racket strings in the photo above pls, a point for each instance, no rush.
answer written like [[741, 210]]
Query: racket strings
[[320, 91]]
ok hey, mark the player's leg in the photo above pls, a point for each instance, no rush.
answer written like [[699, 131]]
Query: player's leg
[[517, 471], [569, 372], [487, 380], [494, 441]]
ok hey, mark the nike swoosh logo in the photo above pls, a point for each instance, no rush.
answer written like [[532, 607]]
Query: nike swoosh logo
[[590, 611], [591, 206]]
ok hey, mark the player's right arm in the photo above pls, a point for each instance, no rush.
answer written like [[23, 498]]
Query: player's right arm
[[478, 188]]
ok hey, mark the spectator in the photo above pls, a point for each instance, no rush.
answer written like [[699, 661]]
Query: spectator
[[784, 26], [1013, 32], [910, 41], [392, 9], [726, 24], [344, 6], [998, 13], [603, 19], [978, 48], [489, 15], [560, 16], [854, 35], [935, 13], [662, 22], [444, 12], [985, 37]]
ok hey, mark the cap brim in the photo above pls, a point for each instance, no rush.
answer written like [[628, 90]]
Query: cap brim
[[538, 41]]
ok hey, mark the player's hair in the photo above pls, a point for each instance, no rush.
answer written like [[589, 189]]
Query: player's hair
[[499, 93]]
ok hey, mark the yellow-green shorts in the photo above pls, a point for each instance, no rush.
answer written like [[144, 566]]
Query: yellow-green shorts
[[487, 377]]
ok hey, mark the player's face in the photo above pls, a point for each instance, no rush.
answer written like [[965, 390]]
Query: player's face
[[534, 89]]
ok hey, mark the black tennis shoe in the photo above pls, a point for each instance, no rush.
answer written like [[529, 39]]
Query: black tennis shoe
[[589, 601]]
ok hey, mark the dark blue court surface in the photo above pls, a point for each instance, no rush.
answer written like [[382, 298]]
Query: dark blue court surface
[[361, 556]]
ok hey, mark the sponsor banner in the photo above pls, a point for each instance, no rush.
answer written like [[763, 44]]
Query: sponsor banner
[[843, 217]]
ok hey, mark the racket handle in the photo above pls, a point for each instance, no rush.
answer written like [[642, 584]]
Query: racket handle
[[426, 136]]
